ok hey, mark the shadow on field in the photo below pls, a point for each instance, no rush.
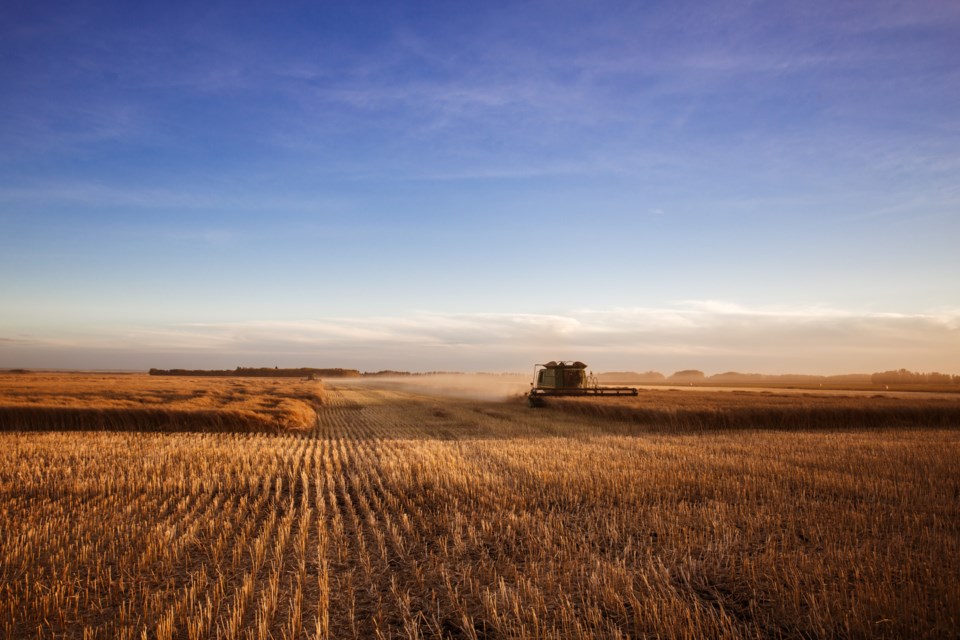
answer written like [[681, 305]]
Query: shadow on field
[[125, 419], [407, 416]]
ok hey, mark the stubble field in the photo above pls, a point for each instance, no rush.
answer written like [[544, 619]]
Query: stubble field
[[404, 514]]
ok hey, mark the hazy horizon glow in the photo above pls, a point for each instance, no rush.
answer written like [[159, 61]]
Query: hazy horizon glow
[[706, 335], [660, 185]]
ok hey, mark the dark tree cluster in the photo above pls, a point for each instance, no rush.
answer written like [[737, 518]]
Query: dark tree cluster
[[903, 376]]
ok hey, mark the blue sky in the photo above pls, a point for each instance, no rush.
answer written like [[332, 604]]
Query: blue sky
[[732, 185]]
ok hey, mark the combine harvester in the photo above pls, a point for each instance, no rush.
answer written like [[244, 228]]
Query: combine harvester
[[568, 379]]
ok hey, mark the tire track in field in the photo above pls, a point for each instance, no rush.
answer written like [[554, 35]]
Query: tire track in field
[[419, 566], [364, 557]]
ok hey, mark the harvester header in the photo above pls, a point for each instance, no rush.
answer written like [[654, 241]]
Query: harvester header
[[568, 378]]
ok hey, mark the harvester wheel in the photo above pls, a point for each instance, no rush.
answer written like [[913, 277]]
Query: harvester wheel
[[534, 401]]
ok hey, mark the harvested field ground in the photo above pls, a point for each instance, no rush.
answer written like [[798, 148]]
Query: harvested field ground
[[410, 515]]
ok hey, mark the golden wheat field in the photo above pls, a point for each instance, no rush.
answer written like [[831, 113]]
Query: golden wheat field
[[126, 402], [399, 514]]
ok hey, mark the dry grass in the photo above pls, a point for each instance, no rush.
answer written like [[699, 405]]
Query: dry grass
[[411, 516], [134, 402]]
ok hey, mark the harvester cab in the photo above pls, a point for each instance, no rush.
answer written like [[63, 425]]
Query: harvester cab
[[567, 378]]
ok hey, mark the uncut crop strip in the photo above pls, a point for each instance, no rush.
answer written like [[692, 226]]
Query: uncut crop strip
[[368, 526], [710, 411], [65, 402]]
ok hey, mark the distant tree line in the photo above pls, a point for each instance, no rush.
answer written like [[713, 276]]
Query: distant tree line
[[392, 372], [902, 376], [260, 372], [385, 372]]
